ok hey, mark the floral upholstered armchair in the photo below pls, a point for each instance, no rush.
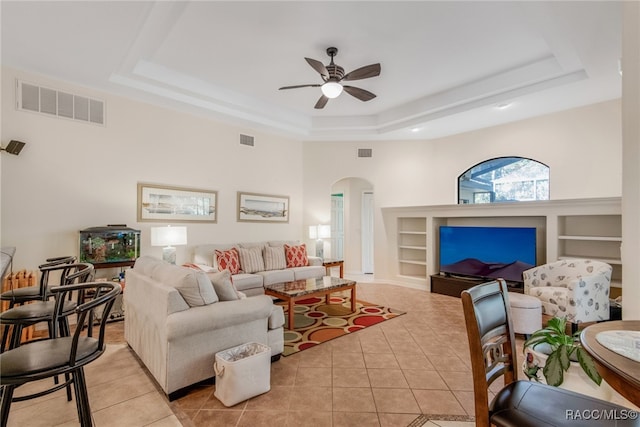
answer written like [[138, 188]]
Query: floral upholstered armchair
[[576, 289]]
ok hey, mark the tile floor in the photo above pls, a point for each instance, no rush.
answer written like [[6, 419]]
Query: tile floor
[[385, 375]]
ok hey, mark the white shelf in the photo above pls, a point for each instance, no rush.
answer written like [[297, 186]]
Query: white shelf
[[412, 261], [418, 248], [615, 261], [418, 233], [592, 238]]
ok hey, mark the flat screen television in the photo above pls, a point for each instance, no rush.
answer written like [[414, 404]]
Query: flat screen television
[[487, 252]]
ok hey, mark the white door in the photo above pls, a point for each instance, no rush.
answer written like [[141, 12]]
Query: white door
[[337, 226], [367, 232]]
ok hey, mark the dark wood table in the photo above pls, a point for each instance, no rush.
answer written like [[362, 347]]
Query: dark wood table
[[301, 289], [622, 373]]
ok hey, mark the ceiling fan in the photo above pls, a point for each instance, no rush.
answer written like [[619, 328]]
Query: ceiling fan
[[332, 76]]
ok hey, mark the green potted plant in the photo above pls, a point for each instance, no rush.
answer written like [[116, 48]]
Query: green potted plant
[[560, 349]]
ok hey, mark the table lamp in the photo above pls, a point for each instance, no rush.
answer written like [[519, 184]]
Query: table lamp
[[168, 237], [320, 232]]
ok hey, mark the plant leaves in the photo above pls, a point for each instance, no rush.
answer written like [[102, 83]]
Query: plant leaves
[[564, 353], [588, 365], [552, 371]]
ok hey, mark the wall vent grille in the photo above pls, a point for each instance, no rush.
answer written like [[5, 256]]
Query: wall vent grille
[[39, 99], [246, 140], [365, 152]]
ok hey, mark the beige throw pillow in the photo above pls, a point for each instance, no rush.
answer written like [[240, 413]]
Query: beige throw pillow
[[274, 258], [224, 287], [251, 259]]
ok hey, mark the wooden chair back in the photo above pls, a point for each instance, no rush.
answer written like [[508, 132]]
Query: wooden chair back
[[491, 341]]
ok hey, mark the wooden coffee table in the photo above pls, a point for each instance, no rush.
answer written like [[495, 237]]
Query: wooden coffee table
[[290, 292]]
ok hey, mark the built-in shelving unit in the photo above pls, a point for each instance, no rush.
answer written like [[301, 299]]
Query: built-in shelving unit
[[597, 237], [577, 228], [412, 247]]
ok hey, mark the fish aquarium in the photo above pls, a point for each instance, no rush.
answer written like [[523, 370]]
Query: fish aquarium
[[111, 245]]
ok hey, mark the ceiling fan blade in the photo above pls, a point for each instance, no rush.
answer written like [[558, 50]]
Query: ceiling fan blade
[[319, 67], [297, 86], [361, 94], [321, 102], [363, 72]]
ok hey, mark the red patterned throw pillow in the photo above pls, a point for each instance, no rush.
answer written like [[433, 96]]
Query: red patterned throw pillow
[[296, 255], [228, 260]]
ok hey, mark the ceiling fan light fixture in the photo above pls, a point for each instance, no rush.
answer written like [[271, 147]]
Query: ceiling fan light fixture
[[331, 89]]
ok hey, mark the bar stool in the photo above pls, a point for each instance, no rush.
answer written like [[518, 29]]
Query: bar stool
[[33, 293], [42, 311], [67, 356]]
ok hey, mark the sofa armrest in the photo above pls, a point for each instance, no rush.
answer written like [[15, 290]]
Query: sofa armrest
[[314, 260], [276, 319]]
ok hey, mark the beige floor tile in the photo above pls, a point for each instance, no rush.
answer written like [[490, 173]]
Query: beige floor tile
[[448, 363], [396, 420], [313, 377], [350, 377], [466, 399], [387, 378], [215, 418], [351, 419], [353, 400], [263, 418], [414, 361], [348, 360], [277, 399], [311, 399], [395, 400], [438, 402], [424, 379], [459, 380], [381, 360], [139, 411], [309, 419]]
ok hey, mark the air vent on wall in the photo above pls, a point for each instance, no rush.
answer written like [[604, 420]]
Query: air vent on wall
[[30, 97], [365, 152], [246, 140]]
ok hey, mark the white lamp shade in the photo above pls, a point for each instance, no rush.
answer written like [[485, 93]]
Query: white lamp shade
[[313, 231], [331, 89], [168, 236], [324, 231]]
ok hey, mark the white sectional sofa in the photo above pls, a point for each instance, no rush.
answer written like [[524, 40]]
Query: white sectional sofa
[[177, 318], [252, 282]]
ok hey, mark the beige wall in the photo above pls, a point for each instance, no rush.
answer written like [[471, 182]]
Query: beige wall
[[581, 146], [72, 175]]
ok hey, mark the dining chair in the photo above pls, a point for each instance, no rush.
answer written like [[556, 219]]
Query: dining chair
[[59, 355], [518, 403]]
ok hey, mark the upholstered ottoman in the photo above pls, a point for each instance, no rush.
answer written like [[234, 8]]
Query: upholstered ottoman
[[526, 313]]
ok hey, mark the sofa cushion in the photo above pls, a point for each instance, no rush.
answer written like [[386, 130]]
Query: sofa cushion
[[251, 259], [194, 286], [296, 255], [277, 276], [228, 260], [274, 258], [223, 285], [309, 272]]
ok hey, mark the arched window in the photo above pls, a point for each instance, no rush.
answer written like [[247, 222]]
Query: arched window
[[504, 179]]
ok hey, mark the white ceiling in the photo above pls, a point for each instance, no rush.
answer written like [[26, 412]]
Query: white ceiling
[[446, 66]]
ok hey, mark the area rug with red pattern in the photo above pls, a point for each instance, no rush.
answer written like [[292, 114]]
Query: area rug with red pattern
[[317, 322]]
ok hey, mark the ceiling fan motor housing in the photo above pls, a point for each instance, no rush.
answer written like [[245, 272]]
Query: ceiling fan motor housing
[[336, 72]]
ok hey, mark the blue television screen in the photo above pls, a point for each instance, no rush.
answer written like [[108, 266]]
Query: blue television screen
[[487, 252]]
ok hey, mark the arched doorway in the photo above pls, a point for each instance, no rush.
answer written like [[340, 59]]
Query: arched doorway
[[352, 224]]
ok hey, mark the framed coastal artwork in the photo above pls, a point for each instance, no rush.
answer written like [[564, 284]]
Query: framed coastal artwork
[[163, 203], [253, 207]]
